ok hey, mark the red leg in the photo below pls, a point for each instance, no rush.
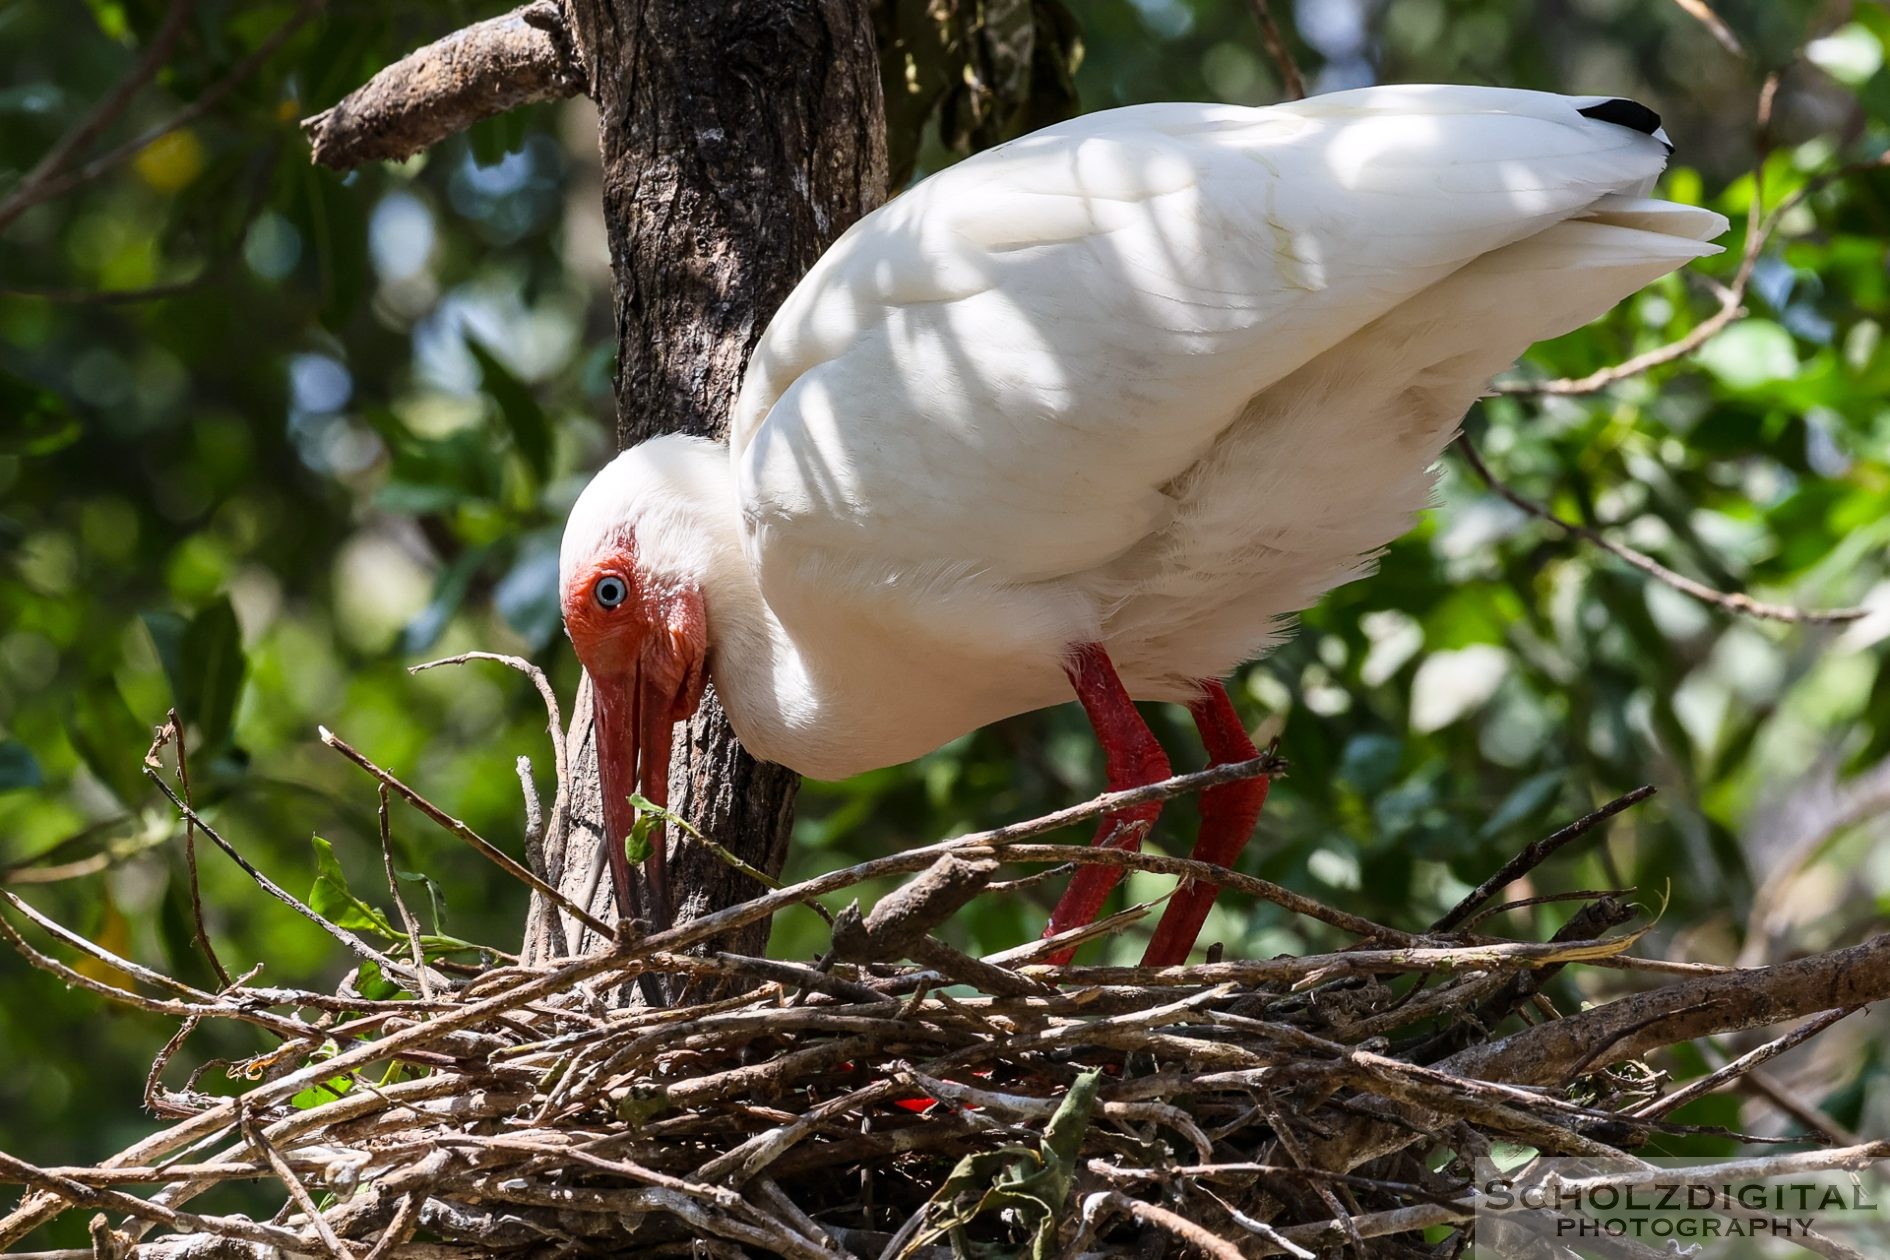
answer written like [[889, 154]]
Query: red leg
[[1133, 758], [1228, 814]]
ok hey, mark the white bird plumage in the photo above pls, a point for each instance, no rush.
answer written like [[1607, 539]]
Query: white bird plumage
[[1155, 378]]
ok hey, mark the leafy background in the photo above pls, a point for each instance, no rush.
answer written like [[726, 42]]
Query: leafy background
[[269, 435]]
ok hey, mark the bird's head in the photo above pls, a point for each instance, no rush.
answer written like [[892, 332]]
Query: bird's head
[[630, 579]]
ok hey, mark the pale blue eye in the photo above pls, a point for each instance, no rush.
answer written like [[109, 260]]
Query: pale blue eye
[[610, 590]]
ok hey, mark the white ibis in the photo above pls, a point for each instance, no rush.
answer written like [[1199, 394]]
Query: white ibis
[[1097, 410]]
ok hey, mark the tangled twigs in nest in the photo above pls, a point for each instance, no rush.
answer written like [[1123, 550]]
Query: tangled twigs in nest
[[514, 1115]]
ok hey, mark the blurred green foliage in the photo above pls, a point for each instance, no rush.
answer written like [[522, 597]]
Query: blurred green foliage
[[268, 436]]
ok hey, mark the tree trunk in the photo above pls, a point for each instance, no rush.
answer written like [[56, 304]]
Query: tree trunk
[[739, 139]]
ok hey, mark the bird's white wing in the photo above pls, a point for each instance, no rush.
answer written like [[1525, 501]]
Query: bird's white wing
[[1002, 369]]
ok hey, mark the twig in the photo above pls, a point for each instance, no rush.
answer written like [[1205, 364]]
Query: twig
[[646, 807], [804, 1225], [1207, 872], [34, 187], [1702, 13], [900, 927], [420, 968], [401, 1228], [155, 1095], [1003, 839], [1756, 1168], [1180, 1228], [1029, 1108], [158, 1174], [1814, 1120], [197, 1005], [1732, 602], [1375, 1225], [484, 847], [534, 815], [1760, 227], [34, 1211], [297, 1191], [352, 943], [1684, 1011], [545, 1124], [131, 1205], [144, 975], [1507, 955], [554, 730], [1534, 855], [1044, 947], [791, 975], [1277, 49], [65, 182], [1543, 899], [1741, 1065], [176, 729], [115, 297]]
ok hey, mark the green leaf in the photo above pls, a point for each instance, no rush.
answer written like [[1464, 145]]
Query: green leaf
[[372, 983], [649, 813], [1750, 353], [636, 845], [435, 474], [527, 596], [1526, 801], [210, 670], [332, 899], [167, 630], [111, 19], [18, 767], [110, 740], [492, 139], [524, 418], [449, 592], [38, 421], [1035, 1185], [333, 219], [321, 1092], [436, 897]]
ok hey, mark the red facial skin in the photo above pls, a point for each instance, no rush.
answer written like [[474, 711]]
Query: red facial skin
[[646, 661]]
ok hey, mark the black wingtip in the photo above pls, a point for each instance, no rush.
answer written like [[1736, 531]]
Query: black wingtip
[[1625, 113]]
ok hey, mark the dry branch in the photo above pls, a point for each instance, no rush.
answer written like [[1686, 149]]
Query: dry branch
[[438, 91], [453, 826]]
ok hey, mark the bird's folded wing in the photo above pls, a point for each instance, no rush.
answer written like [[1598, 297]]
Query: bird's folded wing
[[1056, 329]]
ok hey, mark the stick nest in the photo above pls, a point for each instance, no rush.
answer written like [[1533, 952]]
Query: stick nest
[[897, 1097]]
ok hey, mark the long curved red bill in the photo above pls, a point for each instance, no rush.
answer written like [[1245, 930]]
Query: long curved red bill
[[633, 738]]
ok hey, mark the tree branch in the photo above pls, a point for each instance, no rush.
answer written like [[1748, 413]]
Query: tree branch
[[1703, 13], [62, 181], [1290, 77], [440, 90], [33, 189], [1728, 601], [1554, 1053]]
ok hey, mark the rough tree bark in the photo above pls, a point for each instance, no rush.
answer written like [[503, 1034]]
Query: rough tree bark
[[484, 69], [739, 138]]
